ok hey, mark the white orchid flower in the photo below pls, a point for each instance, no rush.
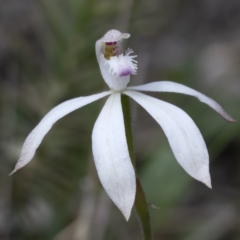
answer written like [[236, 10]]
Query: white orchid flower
[[110, 149]]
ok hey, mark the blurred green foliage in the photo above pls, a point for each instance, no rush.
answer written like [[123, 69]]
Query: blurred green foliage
[[47, 56]]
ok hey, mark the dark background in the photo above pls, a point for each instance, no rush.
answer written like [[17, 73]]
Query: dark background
[[47, 56]]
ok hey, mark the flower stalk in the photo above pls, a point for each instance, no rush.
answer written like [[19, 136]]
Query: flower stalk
[[140, 204], [126, 108]]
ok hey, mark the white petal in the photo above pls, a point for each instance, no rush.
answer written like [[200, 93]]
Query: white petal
[[111, 155], [167, 86], [183, 135], [36, 136]]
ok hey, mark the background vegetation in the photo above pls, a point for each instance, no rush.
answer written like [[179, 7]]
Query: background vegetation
[[47, 56]]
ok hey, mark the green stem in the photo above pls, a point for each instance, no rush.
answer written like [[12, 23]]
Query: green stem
[[128, 126], [141, 205], [142, 210]]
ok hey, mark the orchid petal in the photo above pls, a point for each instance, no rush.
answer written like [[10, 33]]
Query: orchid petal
[[183, 135], [167, 86], [111, 155], [36, 136]]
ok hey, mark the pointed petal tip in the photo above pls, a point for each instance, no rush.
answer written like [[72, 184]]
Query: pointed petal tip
[[15, 170], [232, 120], [209, 185], [207, 181], [127, 215], [127, 210], [228, 118]]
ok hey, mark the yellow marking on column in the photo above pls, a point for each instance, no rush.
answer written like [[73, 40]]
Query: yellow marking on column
[[110, 50]]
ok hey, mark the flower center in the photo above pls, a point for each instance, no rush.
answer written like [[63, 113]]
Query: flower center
[[121, 65], [111, 49]]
